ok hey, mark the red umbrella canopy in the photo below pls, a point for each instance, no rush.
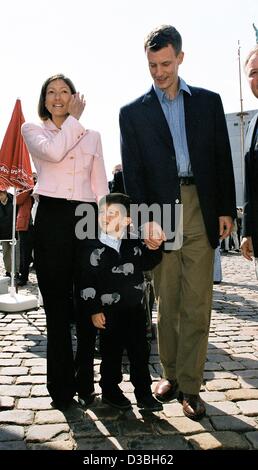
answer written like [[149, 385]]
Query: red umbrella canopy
[[15, 167]]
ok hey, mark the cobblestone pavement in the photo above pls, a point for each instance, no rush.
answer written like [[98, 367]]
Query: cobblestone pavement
[[230, 387]]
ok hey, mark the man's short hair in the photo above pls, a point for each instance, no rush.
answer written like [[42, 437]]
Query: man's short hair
[[161, 37]]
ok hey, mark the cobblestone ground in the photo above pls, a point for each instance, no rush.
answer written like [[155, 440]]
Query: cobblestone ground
[[230, 387]]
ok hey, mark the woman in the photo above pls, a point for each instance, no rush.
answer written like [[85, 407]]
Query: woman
[[70, 168]]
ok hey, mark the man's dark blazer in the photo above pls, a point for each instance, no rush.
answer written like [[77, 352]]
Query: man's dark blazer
[[149, 161], [250, 215]]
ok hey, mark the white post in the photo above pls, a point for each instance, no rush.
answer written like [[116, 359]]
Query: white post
[[241, 115], [12, 288]]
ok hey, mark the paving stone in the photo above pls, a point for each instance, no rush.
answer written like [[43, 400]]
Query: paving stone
[[135, 413], [181, 425], [6, 379], [212, 396], [39, 349], [13, 349], [104, 412], [218, 440], [45, 432], [242, 350], [252, 437], [172, 409], [39, 391], [31, 379], [37, 370], [102, 444], [15, 390], [135, 428], [35, 362], [248, 407], [243, 357], [14, 371], [224, 334], [220, 339], [222, 408], [11, 433], [161, 443], [95, 428], [217, 357], [232, 365], [54, 445], [17, 417], [242, 394], [42, 403], [20, 341], [50, 417], [212, 366], [13, 445], [28, 355], [226, 327], [6, 403], [10, 362], [222, 384], [248, 383], [127, 387], [219, 375], [249, 373], [238, 423], [239, 344], [243, 338], [250, 363], [6, 355]]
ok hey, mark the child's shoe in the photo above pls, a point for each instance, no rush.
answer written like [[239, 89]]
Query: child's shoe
[[86, 400], [116, 399], [149, 403]]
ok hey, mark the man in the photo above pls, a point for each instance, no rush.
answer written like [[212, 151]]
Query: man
[[117, 183], [249, 245], [175, 148], [6, 220]]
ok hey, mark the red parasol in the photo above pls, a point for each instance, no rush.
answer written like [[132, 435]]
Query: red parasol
[[15, 167], [15, 170]]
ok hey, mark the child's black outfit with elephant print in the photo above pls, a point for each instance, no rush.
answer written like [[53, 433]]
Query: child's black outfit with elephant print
[[114, 284]]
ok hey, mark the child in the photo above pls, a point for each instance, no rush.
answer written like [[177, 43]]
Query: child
[[113, 292]]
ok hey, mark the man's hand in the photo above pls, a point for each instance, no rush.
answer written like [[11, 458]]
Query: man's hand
[[225, 226], [153, 235], [99, 320], [247, 248]]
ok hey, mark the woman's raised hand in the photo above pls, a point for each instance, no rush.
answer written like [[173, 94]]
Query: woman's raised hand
[[76, 105]]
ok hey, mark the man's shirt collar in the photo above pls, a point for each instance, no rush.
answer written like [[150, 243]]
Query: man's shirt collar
[[162, 95]]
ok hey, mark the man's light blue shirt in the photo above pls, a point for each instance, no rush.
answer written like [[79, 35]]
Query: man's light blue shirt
[[175, 115]]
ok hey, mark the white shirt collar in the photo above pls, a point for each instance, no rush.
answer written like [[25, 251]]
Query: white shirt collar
[[112, 242]]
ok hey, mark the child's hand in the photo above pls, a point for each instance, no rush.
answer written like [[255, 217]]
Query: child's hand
[[98, 320]]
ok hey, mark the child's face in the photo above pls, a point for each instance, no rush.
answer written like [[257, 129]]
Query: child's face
[[113, 219]]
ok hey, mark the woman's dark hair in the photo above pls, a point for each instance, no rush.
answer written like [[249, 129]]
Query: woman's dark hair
[[43, 113], [161, 37]]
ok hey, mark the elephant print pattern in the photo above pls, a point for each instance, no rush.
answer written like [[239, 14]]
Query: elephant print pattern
[[127, 268], [113, 278], [109, 299], [88, 293], [96, 255]]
